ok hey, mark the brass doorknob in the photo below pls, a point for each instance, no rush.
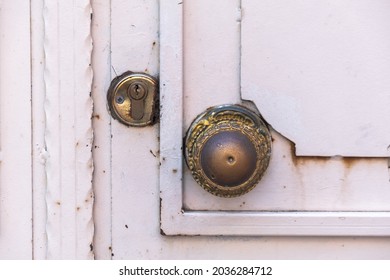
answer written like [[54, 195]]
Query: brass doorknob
[[228, 149]]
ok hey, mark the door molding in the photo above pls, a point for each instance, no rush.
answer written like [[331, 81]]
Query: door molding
[[68, 132]]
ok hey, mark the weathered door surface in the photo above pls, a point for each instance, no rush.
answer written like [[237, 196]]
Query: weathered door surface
[[317, 73], [77, 184]]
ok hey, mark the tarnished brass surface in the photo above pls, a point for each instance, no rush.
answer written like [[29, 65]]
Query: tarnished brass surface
[[228, 158], [228, 149], [132, 99]]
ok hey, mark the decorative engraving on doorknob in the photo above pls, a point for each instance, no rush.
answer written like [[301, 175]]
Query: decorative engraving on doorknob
[[228, 149], [132, 99]]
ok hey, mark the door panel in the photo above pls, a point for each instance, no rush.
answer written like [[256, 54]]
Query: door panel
[[330, 195], [307, 183], [318, 73], [152, 193]]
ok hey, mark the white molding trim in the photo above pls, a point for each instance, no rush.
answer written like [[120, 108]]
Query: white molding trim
[[171, 115], [177, 221], [68, 134], [38, 131]]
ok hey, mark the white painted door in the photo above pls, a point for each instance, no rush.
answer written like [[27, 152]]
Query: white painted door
[[208, 53]]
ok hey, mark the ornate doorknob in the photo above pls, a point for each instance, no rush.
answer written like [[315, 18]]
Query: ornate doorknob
[[228, 149]]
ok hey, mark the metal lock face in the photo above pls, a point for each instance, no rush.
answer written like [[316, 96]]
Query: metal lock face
[[132, 99]]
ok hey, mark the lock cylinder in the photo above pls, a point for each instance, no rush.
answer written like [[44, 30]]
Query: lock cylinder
[[132, 99]]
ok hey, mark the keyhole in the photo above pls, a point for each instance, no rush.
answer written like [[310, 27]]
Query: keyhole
[[137, 93], [137, 90], [231, 160]]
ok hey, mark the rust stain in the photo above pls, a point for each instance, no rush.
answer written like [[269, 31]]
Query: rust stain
[[348, 162], [294, 158], [313, 159], [174, 170]]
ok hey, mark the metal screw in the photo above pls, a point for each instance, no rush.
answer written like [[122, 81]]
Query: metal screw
[[119, 99]]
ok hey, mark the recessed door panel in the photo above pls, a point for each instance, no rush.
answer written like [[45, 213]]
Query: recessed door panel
[[318, 72], [253, 56]]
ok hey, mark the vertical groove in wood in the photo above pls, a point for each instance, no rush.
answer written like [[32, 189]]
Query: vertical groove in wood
[[68, 133]]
